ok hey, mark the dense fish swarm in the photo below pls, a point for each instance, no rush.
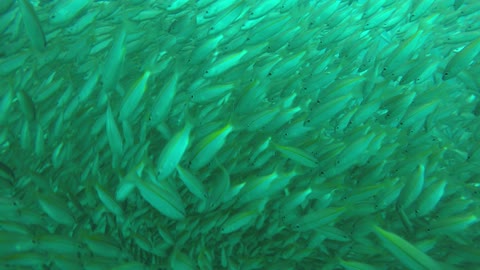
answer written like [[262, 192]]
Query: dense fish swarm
[[276, 134]]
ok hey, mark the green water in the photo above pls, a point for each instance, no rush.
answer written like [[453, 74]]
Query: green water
[[239, 134]]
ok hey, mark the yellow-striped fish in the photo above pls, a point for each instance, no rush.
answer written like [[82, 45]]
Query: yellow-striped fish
[[163, 198], [298, 155], [406, 253], [206, 149], [461, 60], [172, 153], [192, 182], [133, 97]]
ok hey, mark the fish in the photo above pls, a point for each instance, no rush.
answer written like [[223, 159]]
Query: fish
[[58, 244], [6, 172], [232, 16], [413, 187], [6, 103], [115, 139], [108, 201], [14, 242], [54, 208], [83, 23], [173, 152], [33, 26], [405, 252], [204, 49], [5, 5], [133, 97], [180, 260], [224, 63], [65, 12], [327, 110], [192, 182], [238, 221], [24, 259], [114, 60], [211, 92], [315, 219], [452, 224], [26, 105], [218, 187], [261, 119], [430, 197], [420, 8], [349, 156], [205, 150], [403, 52], [212, 134], [351, 265], [294, 200], [256, 187], [422, 72], [164, 100], [163, 198], [97, 242], [461, 60], [298, 155]]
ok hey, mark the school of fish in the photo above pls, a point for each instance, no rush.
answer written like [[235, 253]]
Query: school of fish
[[223, 134]]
